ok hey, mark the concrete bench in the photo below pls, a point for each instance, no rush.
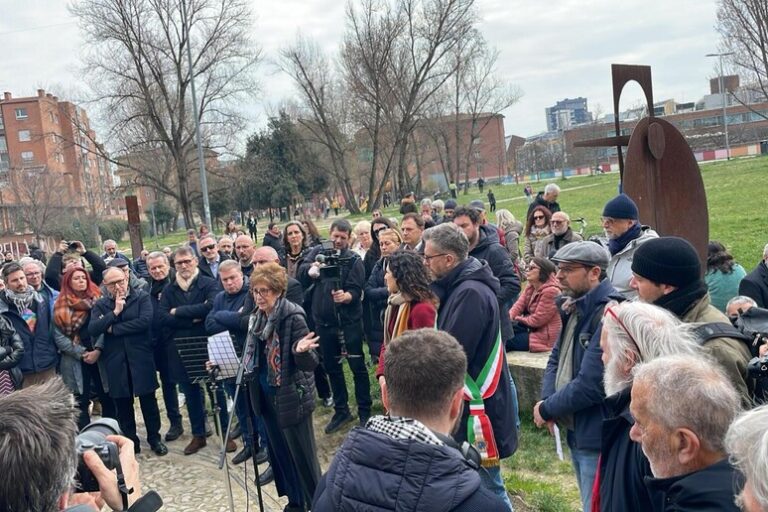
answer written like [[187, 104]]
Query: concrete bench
[[527, 369]]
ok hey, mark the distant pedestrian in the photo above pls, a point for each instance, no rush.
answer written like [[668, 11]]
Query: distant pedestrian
[[452, 187], [492, 200], [528, 191], [480, 183]]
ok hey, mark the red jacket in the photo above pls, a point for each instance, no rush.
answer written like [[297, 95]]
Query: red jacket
[[538, 311], [423, 314]]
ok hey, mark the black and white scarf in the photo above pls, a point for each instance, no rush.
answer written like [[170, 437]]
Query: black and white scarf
[[397, 427]]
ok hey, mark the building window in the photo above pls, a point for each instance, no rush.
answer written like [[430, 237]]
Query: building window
[[2, 124], [27, 156], [21, 113], [24, 136]]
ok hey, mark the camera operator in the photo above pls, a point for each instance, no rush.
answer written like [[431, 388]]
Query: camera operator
[[337, 311], [752, 321], [71, 253], [38, 428]]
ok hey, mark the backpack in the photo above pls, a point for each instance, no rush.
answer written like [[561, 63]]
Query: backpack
[[711, 330]]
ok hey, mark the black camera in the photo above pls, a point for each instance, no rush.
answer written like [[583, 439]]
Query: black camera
[[331, 262], [94, 437], [758, 367], [72, 246]]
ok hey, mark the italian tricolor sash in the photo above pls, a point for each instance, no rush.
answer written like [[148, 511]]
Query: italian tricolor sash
[[479, 429]]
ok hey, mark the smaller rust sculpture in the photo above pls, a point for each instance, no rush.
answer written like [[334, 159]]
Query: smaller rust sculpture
[[660, 173]]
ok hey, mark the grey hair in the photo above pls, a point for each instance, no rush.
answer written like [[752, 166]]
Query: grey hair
[[157, 254], [229, 265], [747, 445], [438, 205], [448, 237], [690, 392], [505, 219], [741, 299], [563, 214], [642, 333], [37, 436], [184, 250], [551, 188], [426, 202], [108, 241], [26, 260]]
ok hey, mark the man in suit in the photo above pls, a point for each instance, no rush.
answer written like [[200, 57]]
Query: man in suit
[[210, 258]]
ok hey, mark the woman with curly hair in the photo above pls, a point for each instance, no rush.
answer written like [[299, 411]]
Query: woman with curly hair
[[536, 228], [411, 303], [296, 246], [79, 352], [723, 275]]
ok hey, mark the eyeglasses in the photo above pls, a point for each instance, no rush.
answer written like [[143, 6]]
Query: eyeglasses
[[568, 270], [261, 291], [114, 283], [260, 262], [427, 258], [32, 274], [557, 222], [182, 262], [208, 247]]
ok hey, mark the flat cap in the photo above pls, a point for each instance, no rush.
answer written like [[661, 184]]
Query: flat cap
[[477, 204], [117, 262], [585, 252]]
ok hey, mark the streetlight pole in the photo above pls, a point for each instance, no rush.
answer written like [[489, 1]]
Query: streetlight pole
[[203, 179], [721, 86]]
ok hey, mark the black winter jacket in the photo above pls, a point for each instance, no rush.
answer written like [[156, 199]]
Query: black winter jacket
[[469, 311], [490, 250], [712, 489], [352, 281], [53, 270], [40, 352], [623, 466], [11, 351], [755, 285], [128, 347], [294, 400], [372, 471], [376, 295]]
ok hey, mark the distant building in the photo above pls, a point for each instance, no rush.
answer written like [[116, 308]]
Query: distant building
[[40, 134], [567, 113]]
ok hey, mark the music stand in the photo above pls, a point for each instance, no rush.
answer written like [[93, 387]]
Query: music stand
[[193, 352]]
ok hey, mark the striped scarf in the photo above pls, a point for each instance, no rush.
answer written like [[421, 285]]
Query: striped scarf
[[401, 308]]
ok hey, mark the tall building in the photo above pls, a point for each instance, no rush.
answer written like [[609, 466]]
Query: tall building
[[50, 143], [567, 113]]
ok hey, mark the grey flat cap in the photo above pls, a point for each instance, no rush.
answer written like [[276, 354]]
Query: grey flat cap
[[477, 204], [587, 253]]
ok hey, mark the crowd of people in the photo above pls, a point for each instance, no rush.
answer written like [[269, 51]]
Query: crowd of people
[[647, 373]]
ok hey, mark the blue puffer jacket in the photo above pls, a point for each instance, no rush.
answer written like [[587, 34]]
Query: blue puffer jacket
[[373, 472], [583, 396], [40, 351], [225, 315]]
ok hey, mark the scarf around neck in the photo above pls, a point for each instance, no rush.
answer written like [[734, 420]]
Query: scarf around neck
[[616, 245], [185, 284], [263, 329], [682, 300], [23, 300], [396, 305], [70, 313]]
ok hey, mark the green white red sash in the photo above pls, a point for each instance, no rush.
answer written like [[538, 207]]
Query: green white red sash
[[479, 429]]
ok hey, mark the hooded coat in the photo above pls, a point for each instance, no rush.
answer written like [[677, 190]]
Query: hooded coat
[[469, 311], [373, 472], [537, 310]]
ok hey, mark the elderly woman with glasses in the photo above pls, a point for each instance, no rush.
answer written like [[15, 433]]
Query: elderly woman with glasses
[[280, 360]]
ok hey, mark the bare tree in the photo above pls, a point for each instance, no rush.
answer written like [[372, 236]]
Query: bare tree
[[136, 63], [39, 197], [743, 25]]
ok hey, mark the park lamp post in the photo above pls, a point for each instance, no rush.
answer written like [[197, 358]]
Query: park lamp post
[[721, 85]]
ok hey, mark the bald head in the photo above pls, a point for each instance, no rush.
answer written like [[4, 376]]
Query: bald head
[[264, 255], [244, 249]]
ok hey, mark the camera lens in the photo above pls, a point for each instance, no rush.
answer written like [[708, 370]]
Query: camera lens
[[97, 431]]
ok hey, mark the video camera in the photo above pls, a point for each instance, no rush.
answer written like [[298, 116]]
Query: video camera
[[331, 262], [754, 323]]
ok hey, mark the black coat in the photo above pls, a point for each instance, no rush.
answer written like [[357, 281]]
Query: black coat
[[128, 348], [540, 201], [192, 307], [205, 267], [489, 249], [294, 399], [711, 489], [372, 471], [623, 465], [755, 285], [11, 351], [376, 295], [469, 311], [40, 352], [274, 242]]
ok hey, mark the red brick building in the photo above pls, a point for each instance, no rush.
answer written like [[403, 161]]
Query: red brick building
[[49, 153]]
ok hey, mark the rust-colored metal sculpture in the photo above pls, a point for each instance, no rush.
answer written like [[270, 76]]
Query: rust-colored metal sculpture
[[660, 173]]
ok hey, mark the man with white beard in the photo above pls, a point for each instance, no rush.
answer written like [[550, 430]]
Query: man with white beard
[[633, 333]]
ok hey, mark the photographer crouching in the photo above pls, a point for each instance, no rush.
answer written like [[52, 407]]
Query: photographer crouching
[[334, 278], [43, 459]]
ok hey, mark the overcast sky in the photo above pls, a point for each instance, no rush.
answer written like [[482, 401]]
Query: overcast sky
[[550, 50]]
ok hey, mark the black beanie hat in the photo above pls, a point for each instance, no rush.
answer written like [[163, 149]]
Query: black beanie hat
[[621, 207], [667, 260]]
